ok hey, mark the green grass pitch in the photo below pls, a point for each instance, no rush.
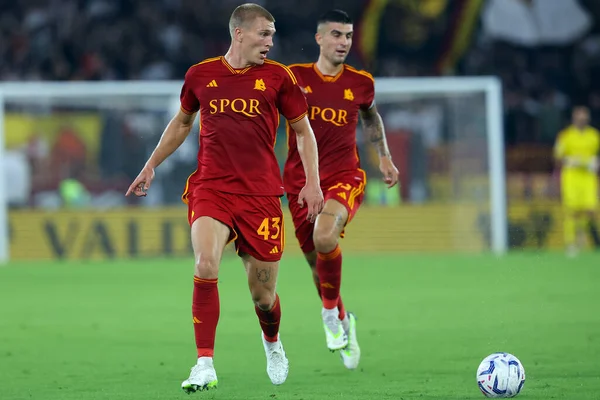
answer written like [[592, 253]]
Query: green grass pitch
[[122, 329]]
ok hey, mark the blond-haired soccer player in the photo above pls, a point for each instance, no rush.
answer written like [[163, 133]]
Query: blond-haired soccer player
[[576, 150], [234, 195]]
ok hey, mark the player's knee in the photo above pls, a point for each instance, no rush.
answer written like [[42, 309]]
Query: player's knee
[[264, 299], [207, 266], [325, 242]]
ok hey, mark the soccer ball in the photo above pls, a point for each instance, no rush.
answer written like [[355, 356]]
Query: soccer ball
[[500, 375]]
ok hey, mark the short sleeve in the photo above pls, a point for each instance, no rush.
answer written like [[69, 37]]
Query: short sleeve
[[189, 100], [292, 102], [369, 93]]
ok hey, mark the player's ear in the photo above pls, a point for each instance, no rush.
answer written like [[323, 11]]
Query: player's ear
[[318, 38], [238, 34]]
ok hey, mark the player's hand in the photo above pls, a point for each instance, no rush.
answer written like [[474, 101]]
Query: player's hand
[[576, 162], [571, 162], [389, 171], [142, 183], [312, 195]]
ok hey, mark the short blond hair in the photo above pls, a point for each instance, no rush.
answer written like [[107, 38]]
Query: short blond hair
[[246, 13]]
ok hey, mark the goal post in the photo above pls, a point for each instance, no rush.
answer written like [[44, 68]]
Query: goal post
[[388, 90], [472, 109], [4, 231]]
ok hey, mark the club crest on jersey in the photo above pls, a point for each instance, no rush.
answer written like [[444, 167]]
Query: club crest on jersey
[[348, 95], [306, 89], [260, 85]]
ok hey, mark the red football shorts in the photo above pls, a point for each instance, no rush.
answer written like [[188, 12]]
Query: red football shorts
[[256, 222], [349, 189]]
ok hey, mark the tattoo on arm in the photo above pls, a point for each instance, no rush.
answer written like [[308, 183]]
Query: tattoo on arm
[[263, 275], [373, 128]]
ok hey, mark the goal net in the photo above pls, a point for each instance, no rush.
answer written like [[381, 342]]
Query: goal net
[[68, 151]]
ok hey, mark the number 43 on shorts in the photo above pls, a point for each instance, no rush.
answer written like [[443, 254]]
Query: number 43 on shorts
[[270, 228]]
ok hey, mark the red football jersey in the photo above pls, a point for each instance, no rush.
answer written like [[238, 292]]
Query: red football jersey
[[239, 116], [334, 103]]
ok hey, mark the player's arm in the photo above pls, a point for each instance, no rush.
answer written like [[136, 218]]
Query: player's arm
[[293, 106], [594, 164], [375, 131], [559, 149], [173, 136], [595, 161], [560, 152], [307, 148]]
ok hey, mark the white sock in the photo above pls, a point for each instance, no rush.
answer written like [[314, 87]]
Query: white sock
[[330, 312], [205, 361], [346, 322]]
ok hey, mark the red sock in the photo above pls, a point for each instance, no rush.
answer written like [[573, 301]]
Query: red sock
[[340, 304], [329, 268], [341, 309], [269, 320], [205, 312], [317, 284]]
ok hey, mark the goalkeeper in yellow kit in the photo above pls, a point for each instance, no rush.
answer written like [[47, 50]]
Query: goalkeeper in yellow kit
[[576, 149]]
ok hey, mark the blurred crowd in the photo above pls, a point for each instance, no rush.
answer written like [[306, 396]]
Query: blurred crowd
[[540, 85], [160, 39], [75, 40], [135, 39]]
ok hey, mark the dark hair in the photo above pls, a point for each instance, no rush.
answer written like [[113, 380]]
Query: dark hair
[[246, 13], [580, 107], [338, 16]]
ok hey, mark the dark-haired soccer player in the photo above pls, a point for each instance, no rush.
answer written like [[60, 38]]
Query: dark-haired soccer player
[[576, 149], [234, 195], [337, 94]]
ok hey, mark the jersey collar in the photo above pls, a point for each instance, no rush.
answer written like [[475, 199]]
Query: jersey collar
[[328, 78], [235, 71]]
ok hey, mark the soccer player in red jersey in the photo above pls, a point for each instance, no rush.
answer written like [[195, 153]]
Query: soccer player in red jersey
[[234, 195], [337, 94]]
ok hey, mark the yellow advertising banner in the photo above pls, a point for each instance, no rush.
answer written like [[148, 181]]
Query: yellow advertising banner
[[70, 131], [536, 225], [138, 232], [123, 233]]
